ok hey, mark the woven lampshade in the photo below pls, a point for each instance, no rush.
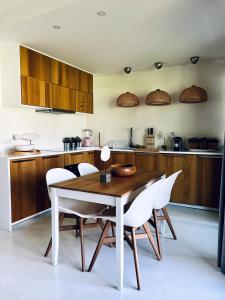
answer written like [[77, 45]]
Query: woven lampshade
[[193, 94], [127, 100], [158, 97]]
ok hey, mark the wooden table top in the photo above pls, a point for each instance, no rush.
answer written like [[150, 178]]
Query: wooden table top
[[118, 187]]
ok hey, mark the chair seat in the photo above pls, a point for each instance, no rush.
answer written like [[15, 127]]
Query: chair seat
[[81, 208]]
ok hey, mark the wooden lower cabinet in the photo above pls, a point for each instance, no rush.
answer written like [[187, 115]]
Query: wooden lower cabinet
[[122, 157], [28, 184], [209, 175], [185, 188], [76, 158], [26, 192], [116, 157], [146, 161]]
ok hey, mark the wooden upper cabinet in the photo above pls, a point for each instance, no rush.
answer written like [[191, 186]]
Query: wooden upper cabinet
[[36, 65], [35, 92], [84, 102], [48, 82], [63, 98]]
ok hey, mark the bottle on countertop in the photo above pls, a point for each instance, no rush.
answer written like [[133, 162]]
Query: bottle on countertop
[[150, 139]]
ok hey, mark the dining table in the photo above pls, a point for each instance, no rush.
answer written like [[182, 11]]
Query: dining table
[[116, 193]]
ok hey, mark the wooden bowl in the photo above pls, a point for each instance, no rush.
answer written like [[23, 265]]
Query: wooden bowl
[[123, 170]]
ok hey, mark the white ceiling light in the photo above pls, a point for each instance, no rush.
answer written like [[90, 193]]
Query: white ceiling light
[[101, 13], [56, 26]]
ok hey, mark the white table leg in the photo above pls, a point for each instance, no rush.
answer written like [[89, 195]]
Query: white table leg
[[119, 243], [55, 226]]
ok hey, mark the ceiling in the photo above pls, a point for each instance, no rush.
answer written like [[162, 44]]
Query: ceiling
[[132, 33]]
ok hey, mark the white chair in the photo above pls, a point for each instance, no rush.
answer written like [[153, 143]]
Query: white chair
[[86, 169], [161, 200], [137, 215], [80, 210]]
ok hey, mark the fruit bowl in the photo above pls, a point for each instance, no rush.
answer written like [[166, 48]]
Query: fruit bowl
[[122, 170]]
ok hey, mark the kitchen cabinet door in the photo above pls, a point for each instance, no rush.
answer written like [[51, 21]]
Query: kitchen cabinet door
[[209, 176], [122, 157], [100, 164], [63, 98], [35, 92], [35, 64], [26, 192], [84, 102], [74, 158], [49, 162], [89, 157], [146, 161], [185, 188]]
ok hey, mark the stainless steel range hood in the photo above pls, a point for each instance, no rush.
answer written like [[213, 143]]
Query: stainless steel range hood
[[54, 111]]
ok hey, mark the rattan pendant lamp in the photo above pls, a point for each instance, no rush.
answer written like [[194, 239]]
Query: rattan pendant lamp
[[158, 97], [127, 99], [193, 94]]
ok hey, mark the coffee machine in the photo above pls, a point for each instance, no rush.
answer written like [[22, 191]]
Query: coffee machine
[[177, 143]]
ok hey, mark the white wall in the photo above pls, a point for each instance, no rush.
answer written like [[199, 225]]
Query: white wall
[[184, 119]]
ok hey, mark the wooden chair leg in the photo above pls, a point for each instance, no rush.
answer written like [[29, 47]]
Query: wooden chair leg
[[82, 244], [61, 218], [102, 225], [157, 231], [100, 243], [151, 240], [133, 238], [165, 212]]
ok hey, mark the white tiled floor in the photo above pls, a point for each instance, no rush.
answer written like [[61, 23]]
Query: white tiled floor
[[188, 270]]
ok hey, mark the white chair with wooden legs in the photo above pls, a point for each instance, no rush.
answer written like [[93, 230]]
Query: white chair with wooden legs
[[86, 169], [161, 200], [80, 210], [137, 215]]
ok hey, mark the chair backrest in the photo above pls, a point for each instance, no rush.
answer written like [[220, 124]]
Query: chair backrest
[[165, 188], [140, 210], [56, 175], [86, 169]]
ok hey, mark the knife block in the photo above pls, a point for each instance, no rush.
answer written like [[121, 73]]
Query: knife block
[[150, 141]]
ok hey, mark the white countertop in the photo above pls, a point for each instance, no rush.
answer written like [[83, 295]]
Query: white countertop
[[52, 152]]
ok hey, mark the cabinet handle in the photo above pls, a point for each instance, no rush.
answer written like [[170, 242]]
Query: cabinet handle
[[209, 156], [22, 160], [145, 154], [52, 156]]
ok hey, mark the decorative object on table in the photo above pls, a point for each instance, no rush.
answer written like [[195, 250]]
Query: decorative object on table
[[105, 177], [177, 144], [88, 138], [203, 143], [123, 170], [28, 138], [131, 144], [127, 99], [193, 94], [158, 97], [150, 139]]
